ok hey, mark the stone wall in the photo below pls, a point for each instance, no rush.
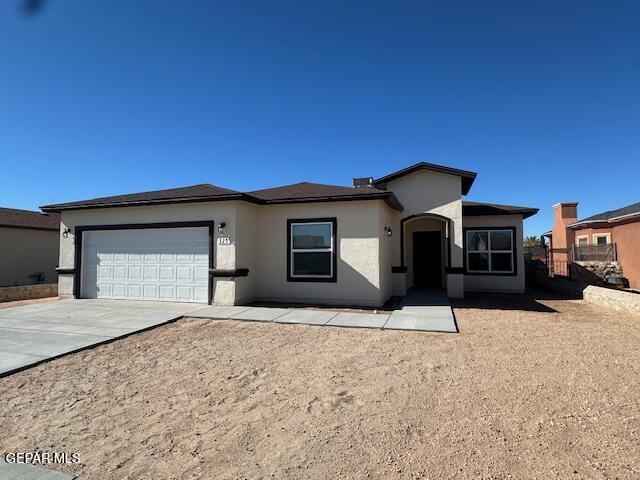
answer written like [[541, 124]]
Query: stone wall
[[620, 300], [28, 292], [598, 273]]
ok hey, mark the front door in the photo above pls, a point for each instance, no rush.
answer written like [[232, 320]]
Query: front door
[[427, 260]]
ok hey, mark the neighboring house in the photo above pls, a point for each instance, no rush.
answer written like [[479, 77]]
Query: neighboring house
[[29, 247], [608, 237], [306, 242]]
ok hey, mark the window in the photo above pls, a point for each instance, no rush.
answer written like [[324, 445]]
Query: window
[[490, 251], [582, 240], [601, 238], [312, 254]]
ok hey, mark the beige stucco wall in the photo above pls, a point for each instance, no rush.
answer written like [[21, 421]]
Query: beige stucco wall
[[498, 283], [258, 242], [435, 193], [27, 251], [359, 235], [224, 255], [386, 251], [246, 238]]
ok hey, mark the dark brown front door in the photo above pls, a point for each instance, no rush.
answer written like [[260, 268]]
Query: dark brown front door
[[427, 260]]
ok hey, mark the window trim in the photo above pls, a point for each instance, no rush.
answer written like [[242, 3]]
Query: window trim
[[514, 252], [595, 236], [334, 250], [580, 237]]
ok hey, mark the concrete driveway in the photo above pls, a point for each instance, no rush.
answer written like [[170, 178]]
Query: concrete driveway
[[34, 333], [31, 334]]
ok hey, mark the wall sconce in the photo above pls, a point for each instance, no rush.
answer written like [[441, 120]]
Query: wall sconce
[[66, 232], [388, 231], [221, 227]]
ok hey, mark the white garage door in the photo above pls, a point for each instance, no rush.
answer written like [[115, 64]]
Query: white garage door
[[169, 264]]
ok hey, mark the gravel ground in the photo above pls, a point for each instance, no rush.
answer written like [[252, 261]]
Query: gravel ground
[[532, 387]]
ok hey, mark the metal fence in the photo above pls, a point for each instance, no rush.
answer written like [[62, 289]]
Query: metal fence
[[594, 253], [559, 260]]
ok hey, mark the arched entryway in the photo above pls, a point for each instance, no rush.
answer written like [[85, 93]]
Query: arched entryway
[[426, 250]]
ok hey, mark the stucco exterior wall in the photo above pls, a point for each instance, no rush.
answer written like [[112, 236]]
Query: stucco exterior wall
[[359, 235], [258, 237], [492, 282], [386, 251], [625, 236], [27, 251], [562, 237], [589, 232], [224, 255], [429, 192], [246, 238]]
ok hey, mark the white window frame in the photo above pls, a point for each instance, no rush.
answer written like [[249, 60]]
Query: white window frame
[[293, 250], [489, 251], [580, 237], [595, 237]]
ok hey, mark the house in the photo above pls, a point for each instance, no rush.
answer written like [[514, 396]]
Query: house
[[605, 243], [29, 247], [306, 242]]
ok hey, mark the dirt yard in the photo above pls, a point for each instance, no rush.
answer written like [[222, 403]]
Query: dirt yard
[[532, 387]]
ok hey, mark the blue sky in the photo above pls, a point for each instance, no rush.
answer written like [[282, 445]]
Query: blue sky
[[542, 99]]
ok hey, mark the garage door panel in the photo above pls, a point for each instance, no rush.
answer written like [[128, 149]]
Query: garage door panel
[[119, 272], [167, 273], [151, 264], [120, 291], [200, 273], [184, 274], [167, 292], [134, 272], [134, 291]]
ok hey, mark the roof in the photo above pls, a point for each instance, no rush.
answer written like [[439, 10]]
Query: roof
[[296, 193], [466, 176], [612, 216], [192, 193], [305, 191], [12, 218], [471, 209]]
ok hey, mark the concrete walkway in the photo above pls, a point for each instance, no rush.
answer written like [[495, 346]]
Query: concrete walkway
[[426, 310], [421, 311]]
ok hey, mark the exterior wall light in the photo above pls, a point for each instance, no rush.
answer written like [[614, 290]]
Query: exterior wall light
[[66, 232], [388, 231], [221, 227]]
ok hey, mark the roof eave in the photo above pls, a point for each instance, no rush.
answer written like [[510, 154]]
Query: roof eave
[[605, 221], [137, 203], [388, 197], [479, 210], [29, 227]]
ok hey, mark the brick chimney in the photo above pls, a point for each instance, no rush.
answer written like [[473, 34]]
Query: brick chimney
[[564, 213]]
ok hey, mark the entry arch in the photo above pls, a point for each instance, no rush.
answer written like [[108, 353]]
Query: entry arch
[[406, 242]]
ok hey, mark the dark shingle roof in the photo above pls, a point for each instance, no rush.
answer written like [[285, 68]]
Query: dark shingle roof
[[296, 193], [10, 217], [612, 215], [466, 176], [310, 192], [477, 208], [204, 191]]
